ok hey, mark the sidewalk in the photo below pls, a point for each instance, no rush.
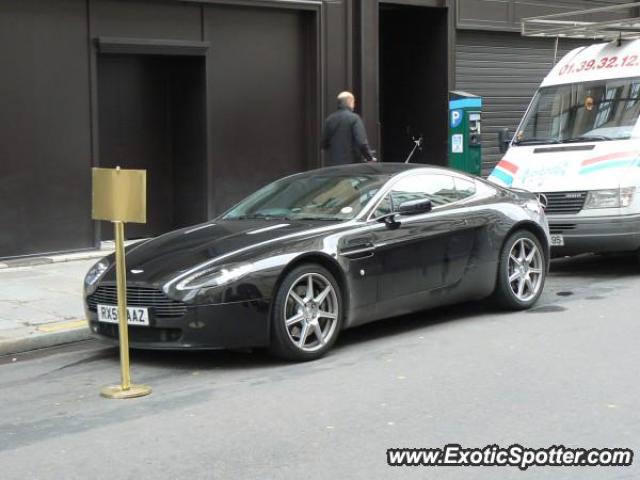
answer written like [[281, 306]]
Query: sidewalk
[[41, 301]]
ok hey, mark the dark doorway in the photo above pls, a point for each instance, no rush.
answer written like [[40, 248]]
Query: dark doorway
[[152, 114], [413, 82]]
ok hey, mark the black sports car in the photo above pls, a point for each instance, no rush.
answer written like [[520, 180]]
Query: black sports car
[[308, 255]]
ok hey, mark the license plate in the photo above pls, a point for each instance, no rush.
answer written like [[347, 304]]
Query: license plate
[[557, 241], [135, 315]]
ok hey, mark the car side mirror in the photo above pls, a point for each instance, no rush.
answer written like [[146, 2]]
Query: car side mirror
[[504, 139], [415, 207], [389, 220], [412, 207]]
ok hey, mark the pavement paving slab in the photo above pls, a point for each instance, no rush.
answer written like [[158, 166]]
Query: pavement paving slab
[[41, 303], [41, 299]]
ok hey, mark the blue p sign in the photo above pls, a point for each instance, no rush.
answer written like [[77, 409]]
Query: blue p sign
[[456, 118]]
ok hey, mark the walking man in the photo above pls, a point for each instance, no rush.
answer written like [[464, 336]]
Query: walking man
[[344, 137]]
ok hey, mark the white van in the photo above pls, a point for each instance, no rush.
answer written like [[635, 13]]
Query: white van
[[578, 148]]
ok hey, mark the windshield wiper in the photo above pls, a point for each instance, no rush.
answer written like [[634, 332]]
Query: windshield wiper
[[535, 141], [587, 138], [321, 219], [260, 216]]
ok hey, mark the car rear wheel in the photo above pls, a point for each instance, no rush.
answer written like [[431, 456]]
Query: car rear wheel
[[307, 314], [521, 273]]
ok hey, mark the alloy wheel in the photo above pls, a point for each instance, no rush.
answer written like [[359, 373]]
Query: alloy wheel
[[525, 269], [311, 312]]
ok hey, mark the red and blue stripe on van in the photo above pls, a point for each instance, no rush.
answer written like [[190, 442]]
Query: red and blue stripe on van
[[610, 160], [504, 171]]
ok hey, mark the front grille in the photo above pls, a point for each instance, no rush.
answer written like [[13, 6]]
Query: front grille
[[561, 227], [142, 334], [162, 305], [565, 202]]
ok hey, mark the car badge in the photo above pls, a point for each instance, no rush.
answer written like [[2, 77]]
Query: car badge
[[544, 201]]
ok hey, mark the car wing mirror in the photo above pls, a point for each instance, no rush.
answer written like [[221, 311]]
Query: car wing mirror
[[412, 207], [389, 219], [415, 207]]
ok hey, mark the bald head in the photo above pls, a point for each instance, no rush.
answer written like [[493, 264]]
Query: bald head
[[346, 99]]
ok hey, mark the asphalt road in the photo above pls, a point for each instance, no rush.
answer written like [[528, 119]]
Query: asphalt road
[[564, 373]]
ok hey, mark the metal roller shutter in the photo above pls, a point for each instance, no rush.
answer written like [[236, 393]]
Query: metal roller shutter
[[505, 69]]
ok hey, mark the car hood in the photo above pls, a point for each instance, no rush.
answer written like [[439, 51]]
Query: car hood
[[164, 257]]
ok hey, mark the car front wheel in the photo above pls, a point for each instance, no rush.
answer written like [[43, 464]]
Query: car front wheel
[[307, 314], [522, 272]]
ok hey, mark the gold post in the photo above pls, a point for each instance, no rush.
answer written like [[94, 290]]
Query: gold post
[[119, 213], [121, 286]]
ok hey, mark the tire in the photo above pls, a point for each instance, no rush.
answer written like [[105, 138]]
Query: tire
[[521, 276], [296, 314]]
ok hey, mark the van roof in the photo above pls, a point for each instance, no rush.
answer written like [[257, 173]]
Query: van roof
[[597, 62]]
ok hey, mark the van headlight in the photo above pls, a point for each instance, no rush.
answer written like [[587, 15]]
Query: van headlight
[[215, 277], [94, 274], [613, 198]]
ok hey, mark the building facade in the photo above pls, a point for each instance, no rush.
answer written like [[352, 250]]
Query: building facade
[[215, 98]]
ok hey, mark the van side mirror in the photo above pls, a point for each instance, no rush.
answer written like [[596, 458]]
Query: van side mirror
[[504, 139]]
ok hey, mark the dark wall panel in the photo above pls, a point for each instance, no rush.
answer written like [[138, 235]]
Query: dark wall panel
[[45, 157], [337, 52], [146, 19], [259, 88], [505, 69], [367, 67]]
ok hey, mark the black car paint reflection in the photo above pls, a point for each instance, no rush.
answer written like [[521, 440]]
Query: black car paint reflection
[[448, 255]]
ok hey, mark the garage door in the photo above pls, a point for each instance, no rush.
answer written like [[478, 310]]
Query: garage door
[[505, 69]]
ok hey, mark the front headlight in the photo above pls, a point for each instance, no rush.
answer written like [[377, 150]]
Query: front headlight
[[215, 276], [613, 198], [94, 274]]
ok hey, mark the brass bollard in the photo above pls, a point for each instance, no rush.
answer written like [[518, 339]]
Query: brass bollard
[[120, 196]]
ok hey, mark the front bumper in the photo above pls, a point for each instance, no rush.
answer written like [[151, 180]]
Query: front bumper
[[227, 325], [615, 233]]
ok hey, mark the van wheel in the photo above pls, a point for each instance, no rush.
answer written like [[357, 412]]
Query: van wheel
[[307, 314], [522, 272]]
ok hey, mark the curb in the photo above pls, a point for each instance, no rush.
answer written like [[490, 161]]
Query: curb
[[106, 248], [35, 261], [36, 340]]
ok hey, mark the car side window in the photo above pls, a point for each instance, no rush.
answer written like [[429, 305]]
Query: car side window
[[384, 207], [441, 189], [464, 188]]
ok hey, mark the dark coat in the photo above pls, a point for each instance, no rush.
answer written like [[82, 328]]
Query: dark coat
[[344, 138]]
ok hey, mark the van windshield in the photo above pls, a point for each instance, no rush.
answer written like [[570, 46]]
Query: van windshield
[[582, 112]]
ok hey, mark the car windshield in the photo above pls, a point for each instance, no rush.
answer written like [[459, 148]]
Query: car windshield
[[310, 197], [591, 111]]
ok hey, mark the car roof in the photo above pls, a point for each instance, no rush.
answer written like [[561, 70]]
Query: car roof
[[382, 169]]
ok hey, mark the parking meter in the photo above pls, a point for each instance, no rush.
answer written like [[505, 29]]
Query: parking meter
[[465, 134]]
